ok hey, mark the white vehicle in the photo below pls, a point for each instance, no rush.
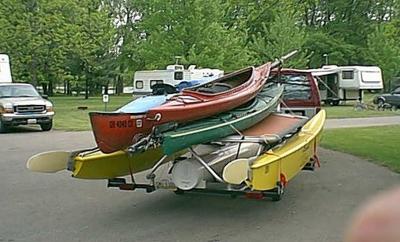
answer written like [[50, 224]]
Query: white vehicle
[[343, 83], [175, 75], [5, 70]]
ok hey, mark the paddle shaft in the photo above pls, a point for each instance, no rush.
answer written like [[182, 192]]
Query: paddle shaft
[[280, 61]]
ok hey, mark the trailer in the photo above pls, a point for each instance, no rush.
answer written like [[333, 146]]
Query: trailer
[[344, 83], [175, 75], [5, 70]]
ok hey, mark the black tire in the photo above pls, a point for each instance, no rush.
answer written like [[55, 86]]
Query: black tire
[[46, 126], [394, 108], [3, 127]]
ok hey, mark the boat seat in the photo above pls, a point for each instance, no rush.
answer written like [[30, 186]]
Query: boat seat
[[216, 88], [163, 89]]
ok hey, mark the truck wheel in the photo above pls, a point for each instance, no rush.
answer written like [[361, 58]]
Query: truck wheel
[[3, 127], [46, 126]]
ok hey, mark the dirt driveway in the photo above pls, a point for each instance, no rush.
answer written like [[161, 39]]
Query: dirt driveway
[[56, 207]]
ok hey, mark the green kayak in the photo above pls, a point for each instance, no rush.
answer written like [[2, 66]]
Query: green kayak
[[224, 124]]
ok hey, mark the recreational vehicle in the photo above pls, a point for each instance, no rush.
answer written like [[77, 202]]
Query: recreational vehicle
[[5, 71], [343, 83], [175, 75]]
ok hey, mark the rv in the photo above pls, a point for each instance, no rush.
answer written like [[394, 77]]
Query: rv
[[175, 75], [343, 83], [5, 71]]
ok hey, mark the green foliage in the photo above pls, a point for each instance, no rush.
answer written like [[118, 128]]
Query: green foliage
[[279, 37], [193, 30], [97, 43], [384, 49]]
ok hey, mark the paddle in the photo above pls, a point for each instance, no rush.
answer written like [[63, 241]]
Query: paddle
[[54, 161], [49, 162]]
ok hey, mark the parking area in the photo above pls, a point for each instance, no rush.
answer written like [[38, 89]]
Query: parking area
[[56, 207]]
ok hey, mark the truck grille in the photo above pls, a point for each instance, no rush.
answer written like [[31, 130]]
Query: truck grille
[[30, 108]]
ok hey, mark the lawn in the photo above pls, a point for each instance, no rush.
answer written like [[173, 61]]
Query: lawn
[[69, 117], [347, 110], [378, 144]]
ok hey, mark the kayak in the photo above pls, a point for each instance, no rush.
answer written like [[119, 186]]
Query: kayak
[[117, 131], [224, 124], [189, 173]]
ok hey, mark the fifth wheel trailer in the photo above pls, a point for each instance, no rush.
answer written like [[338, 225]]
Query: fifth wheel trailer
[[175, 75], [344, 83]]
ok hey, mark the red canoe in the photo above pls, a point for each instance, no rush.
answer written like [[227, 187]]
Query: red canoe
[[116, 131]]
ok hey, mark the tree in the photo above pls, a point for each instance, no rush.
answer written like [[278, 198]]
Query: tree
[[384, 50], [279, 37], [194, 30]]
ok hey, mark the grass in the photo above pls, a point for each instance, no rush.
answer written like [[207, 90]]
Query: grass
[[347, 110], [378, 144], [69, 117]]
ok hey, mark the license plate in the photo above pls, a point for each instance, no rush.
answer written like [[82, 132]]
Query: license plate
[[32, 121]]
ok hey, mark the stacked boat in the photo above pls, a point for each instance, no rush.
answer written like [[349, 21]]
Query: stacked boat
[[222, 136]]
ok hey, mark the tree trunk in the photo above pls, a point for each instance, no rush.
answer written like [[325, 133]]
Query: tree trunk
[[120, 85], [86, 88], [44, 87], [50, 90]]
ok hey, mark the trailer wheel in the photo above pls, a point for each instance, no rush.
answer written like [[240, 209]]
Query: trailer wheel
[[394, 108], [279, 192]]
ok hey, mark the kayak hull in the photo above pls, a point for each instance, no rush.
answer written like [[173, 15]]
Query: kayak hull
[[214, 128], [116, 131], [106, 166], [281, 164]]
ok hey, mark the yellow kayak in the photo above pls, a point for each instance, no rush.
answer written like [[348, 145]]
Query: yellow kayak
[[106, 166], [280, 164]]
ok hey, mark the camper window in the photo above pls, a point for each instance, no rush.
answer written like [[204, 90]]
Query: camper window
[[139, 84], [154, 82], [178, 75], [347, 75]]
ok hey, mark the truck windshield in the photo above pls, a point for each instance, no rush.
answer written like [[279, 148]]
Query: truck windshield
[[17, 91]]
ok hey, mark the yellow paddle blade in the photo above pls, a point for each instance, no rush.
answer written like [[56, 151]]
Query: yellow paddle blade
[[236, 171], [49, 162]]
